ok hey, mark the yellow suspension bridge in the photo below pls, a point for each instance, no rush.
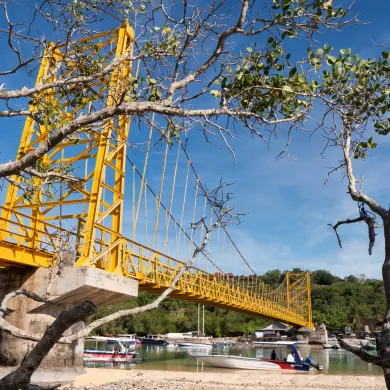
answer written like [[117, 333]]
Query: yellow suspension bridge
[[141, 239]]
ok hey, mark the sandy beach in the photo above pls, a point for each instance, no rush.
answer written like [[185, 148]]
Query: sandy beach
[[106, 379]]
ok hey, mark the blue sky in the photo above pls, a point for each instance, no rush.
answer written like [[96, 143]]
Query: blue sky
[[288, 204]]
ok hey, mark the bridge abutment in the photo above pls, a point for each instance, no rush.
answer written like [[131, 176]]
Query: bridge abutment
[[73, 286]]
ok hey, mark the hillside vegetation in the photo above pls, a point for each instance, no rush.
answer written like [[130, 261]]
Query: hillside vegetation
[[336, 302]]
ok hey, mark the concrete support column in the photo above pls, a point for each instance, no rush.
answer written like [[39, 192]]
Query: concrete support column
[[75, 285]]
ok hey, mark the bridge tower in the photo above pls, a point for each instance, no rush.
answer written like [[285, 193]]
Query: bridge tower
[[84, 216], [91, 209]]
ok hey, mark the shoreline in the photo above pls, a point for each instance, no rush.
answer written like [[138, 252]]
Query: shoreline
[[110, 379]]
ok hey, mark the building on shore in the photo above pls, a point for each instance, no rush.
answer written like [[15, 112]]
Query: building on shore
[[277, 330]]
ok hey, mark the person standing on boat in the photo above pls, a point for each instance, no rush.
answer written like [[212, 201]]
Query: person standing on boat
[[116, 352], [273, 355]]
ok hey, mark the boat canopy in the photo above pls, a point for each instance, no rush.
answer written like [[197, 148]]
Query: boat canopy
[[102, 338], [291, 344], [278, 343]]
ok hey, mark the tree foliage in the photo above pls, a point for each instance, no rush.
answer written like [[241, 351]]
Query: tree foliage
[[346, 302], [184, 54], [336, 302]]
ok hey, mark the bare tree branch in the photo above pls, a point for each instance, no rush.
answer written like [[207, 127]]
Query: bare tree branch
[[365, 356], [347, 221], [136, 108], [27, 293], [368, 219], [20, 378], [357, 195]]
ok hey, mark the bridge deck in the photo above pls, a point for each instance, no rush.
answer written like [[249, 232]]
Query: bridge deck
[[154, 271]]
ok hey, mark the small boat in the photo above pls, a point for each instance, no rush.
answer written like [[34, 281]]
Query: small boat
[[240, 344], [293, 362], [155, 340], [221, 343], [369, 347], [327, 346], [107, 349], [128, 340], [336, 346], [194, 345]]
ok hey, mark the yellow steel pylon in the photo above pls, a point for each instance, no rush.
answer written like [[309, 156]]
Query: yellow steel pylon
[[299, 295], [92, 209]]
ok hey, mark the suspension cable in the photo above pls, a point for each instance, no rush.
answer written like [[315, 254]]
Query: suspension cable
[[165, 209], [171, 202], [183, 207], [158, 198], [209, 200]]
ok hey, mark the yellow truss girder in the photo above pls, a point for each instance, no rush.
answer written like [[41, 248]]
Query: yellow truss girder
[[155, 272]]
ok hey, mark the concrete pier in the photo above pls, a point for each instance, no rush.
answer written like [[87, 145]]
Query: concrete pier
[[73, 286]]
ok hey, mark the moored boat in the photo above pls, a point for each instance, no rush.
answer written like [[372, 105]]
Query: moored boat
[[155, 340], [221, 343], [128, 340], [293, 362], [107, 349], [327, 346], [194, 345], [370, 346]]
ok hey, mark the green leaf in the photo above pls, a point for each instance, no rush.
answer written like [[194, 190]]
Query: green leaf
[[293, 71], [385, 54], [270, 40], [215, 93], [287, 88], [249, 50]]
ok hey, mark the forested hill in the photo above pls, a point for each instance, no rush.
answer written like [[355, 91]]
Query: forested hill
[[336, 302], [346, 302]]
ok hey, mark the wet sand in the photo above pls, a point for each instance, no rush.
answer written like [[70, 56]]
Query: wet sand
[[109, 379]]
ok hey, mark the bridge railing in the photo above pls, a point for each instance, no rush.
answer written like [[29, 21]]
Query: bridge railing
[[38, 244], [155, 271]]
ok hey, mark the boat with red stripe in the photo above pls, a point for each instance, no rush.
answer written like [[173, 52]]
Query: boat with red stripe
[[292, 363], [107, 349]]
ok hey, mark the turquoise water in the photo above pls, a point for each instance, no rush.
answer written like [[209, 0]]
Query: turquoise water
[[180, 359]]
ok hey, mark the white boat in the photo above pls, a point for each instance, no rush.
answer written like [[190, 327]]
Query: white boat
[[327, 346], [221, 343], [194, 345], [293, 362], [336, 346], [238, 362], [128, 340]]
